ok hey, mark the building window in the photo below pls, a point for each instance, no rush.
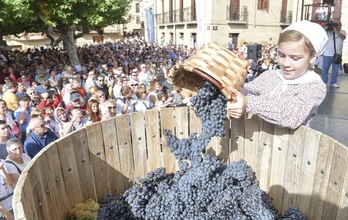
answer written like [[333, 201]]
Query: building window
[[137, 20], [263, 5], [137, 7]]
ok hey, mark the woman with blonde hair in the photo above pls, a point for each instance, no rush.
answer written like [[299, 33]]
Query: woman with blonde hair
[[125, 105], [112, 106], [92, 92], [143, 102], [102, 101]]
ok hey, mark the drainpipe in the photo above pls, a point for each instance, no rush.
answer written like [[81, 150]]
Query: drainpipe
[[255, 13]]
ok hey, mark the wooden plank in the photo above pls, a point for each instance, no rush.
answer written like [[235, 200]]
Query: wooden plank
[[38, 184], [336, 181], [265, 146], [195, 124], [56, 186], [31, 198], [167, 122], [98, 160], [21, 209], [223, 147], [251, 140], [113, 168], [153, 137], [76, 167], [181, 122], [139, 144], [309, 162], [237, 139], [23, 199], [278, 167], [125, 148], [293, 168], [321, 179], [342, 212]]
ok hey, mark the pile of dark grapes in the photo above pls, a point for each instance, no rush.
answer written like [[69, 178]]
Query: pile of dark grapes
[[204, 187]]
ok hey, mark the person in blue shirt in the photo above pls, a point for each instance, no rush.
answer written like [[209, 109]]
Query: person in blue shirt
[[43, 87], [39, 137], [22, 114]]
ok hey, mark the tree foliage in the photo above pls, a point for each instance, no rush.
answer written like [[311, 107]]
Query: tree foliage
[[57, 19]]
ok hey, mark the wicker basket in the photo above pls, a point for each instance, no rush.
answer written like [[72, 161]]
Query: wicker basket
[[213, 63]]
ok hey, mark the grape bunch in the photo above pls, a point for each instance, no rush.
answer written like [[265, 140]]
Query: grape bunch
[[87, 210], [204, 187]]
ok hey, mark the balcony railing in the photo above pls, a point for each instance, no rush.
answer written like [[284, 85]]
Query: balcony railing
[[286, 17], [237, 13], [188, 15]]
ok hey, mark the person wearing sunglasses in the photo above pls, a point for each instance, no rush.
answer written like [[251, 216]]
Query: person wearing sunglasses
[[125, 105], [39, 137], [34, 98], [143, 102], [100, 85], [112, 110], [16, 160]]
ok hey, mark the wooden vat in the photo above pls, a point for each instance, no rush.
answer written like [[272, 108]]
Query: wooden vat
[[300, 168]]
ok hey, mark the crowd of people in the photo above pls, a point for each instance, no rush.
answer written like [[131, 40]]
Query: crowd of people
[[43, 97]]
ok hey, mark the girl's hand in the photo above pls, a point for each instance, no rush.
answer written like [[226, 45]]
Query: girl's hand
[[236, 109]]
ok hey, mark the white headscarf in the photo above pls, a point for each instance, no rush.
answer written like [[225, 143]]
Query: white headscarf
[[313, 31]]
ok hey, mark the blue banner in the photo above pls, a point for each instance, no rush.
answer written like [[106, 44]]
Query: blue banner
[[150, 25]]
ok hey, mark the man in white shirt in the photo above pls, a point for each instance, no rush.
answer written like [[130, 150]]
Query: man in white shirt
[[143, 74], [336, 37]]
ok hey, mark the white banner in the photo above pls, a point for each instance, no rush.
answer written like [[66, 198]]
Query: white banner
[[200, 16]]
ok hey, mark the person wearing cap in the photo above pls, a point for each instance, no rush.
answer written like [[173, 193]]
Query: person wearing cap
[[75, 100], [22, 114], [76, 85], [290, 96], [338, 35]]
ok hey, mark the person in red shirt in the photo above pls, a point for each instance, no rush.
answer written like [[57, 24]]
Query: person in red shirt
[[12, 75], [50, 98], [76, 84], [76, 100]]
